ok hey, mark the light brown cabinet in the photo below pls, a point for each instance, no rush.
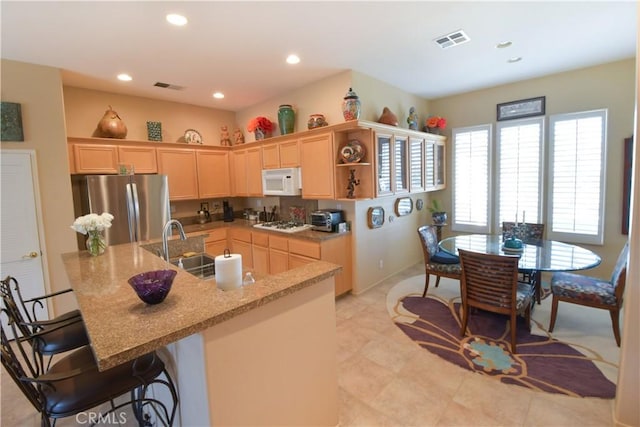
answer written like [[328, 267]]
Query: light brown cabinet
[[247, 172], [95, 159], [216, 242], [260, 252], [179, 164], [213, 173], [143, 159], [240, 240], [283, 154], [278, 254], [317, 166]]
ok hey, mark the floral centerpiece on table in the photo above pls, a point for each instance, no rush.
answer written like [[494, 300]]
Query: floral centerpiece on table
[[93, 225], [260, 126], [435, 123]]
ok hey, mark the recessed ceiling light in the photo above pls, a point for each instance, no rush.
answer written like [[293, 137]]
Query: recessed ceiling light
[[502, 45], [218, 95], [514, 59], [293, 59], [175, 19], [125, 77]]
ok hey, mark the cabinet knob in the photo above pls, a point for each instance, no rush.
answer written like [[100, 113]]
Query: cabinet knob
[[31, 255]]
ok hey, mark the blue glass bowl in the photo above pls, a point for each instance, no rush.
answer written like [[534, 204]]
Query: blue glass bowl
[[153, 287]]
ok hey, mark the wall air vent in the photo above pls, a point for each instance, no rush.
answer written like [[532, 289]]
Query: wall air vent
[[453, 39], [168, 86]]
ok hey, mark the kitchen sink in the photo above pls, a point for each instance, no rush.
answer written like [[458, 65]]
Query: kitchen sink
[[200, 265]]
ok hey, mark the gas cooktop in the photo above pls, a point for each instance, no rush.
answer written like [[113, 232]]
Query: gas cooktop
[[284, 226]]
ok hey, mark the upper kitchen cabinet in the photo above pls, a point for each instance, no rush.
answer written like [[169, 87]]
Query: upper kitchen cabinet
[[285, 154], [416, 165], [354, 166], [95, 159], [434, 163], [246, 171], [214, 178], [317, 166], [180, 165], [143, 159], [103, 155]]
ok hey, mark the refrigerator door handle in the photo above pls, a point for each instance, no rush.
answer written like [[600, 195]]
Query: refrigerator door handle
[[131, 213], [136, 212]]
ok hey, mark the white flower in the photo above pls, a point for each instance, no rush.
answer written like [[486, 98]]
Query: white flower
[[92, 222]]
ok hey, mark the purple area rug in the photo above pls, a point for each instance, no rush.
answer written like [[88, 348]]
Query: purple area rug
[[541, 363]]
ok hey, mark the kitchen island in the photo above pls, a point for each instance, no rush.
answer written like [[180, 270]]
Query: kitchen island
[[262, 354]]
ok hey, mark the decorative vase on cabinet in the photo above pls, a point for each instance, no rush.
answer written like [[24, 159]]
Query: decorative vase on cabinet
[[286, 119], [351, 106]]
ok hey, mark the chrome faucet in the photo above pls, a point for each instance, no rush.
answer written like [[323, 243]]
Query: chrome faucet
[[165, 235]]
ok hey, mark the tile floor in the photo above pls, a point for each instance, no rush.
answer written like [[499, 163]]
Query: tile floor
[[386, 380]]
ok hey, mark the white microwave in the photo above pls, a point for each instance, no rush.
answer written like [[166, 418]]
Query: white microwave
[[281, 182]]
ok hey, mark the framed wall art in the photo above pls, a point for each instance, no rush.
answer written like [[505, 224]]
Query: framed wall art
[[11, 122], [522, 108], [375, 217]]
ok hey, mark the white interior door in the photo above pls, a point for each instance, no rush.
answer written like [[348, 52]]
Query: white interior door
[[20, 255]]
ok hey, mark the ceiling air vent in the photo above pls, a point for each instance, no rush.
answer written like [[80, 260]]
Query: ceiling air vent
[[453, 39], [168, 86]]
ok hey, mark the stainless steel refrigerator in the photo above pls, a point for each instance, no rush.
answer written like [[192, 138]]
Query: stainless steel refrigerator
[[139, 204]]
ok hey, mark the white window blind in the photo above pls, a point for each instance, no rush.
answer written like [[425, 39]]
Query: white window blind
[[519, 171], [472, 179], [577, 161]]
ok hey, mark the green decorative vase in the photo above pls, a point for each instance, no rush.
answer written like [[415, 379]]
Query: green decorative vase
[[286, 119]]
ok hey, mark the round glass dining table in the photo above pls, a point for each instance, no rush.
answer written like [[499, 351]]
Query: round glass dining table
[[545, 255]]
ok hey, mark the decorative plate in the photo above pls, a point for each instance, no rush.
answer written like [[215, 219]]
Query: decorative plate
[[353, 152], [192, 136]]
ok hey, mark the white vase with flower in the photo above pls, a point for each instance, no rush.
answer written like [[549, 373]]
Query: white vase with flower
[[93, 226]]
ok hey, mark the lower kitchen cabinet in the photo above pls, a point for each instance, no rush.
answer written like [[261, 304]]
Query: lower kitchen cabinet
[[241, 244], [216, 242], [260, 252], [278, 254]]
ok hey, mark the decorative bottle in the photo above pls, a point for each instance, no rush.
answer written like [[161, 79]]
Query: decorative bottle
[[286, 119], [351, 106]]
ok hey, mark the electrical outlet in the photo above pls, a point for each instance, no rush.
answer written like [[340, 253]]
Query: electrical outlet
[[380, 264], [173, 208], [338, 206], [259, 202]]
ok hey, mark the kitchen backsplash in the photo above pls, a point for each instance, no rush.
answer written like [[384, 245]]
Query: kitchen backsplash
[[284, 206]]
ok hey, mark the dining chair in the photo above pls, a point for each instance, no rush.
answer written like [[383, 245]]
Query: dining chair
[[436, 262], [592, 292], [74, 385], [490, 282], [47, 337], [529, 232]]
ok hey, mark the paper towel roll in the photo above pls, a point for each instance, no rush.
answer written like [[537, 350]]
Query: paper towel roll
[[228, 271]]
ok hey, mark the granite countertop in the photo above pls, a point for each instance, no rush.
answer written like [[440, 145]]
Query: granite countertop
[[243, 223], [122, 327]]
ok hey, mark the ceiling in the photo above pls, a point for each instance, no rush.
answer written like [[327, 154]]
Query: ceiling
[[239, 47]]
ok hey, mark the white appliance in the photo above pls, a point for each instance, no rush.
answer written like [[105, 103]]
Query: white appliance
[[281, 182]]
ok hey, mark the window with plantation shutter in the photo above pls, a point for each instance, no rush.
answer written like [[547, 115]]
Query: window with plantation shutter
[[472, 179], [416, 171], [519, 171], [577, 177]]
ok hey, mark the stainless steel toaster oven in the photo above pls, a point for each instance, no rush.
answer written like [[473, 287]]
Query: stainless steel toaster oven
[[326, 220]]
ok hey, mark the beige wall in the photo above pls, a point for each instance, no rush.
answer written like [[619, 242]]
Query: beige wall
[[84, 108], [322, 97], [39, 90], [606, 86]]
